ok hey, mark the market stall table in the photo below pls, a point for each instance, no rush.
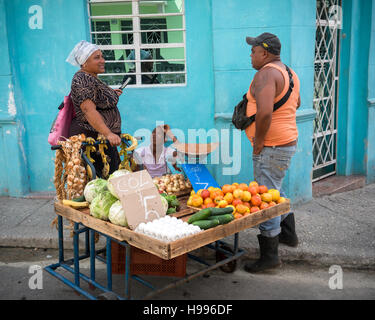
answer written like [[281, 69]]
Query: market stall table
[[85, 223]]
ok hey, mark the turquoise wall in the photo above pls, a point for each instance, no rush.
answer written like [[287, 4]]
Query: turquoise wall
[[34, 77], [13, 156], [370, 166], [43, 77], [355, 144]]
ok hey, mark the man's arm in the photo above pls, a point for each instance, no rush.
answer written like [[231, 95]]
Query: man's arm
[[264, 93]]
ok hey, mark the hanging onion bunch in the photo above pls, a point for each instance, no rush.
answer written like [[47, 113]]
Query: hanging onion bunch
[[172, 183], [74, 172]]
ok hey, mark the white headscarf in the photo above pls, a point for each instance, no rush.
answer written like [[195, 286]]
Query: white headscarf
[[81, 52]]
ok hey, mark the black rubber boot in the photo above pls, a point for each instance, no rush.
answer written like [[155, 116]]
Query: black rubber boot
[[269, 255], [288, 234]]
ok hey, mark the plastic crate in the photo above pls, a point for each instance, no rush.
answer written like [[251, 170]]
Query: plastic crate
[[145, 263]]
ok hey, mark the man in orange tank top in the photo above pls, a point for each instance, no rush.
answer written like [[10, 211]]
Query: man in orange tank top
[[273, 136]]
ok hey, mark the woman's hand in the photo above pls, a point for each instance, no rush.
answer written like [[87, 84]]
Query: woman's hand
[[113, 139], [118, 92]]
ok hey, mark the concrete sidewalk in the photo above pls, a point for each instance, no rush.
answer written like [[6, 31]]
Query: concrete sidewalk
[[336, 229]]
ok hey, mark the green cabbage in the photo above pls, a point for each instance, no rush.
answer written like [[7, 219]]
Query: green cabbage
[[117, 173], [100, 205], [93, 188], [117, 214]]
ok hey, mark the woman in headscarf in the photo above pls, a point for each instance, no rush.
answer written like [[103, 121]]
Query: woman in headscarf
[[95, 103]]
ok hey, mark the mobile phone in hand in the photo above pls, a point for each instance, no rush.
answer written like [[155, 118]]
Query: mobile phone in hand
[[125, 83]]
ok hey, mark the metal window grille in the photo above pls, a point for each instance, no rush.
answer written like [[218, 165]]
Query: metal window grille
[[144, 40], [328, 25]]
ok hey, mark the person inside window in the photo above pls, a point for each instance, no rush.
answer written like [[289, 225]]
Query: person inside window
[[147, 66], [154, 157]]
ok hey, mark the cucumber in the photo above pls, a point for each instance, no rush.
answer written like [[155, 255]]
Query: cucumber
[[79, 199], [220, 211], [200, 215], [223, 218], [206, 224]]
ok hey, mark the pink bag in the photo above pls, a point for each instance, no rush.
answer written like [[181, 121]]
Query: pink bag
[[61, 125]]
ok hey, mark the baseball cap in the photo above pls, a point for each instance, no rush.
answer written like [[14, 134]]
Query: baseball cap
[[267, 41]]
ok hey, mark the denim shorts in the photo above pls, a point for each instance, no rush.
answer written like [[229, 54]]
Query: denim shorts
[[270, 167]]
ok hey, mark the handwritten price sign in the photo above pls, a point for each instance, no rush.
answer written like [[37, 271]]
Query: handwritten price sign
[[139, 198]]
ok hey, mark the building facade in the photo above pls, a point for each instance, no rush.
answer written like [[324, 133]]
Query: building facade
[[202, 68]]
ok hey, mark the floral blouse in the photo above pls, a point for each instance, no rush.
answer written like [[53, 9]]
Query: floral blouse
[[86, 86]]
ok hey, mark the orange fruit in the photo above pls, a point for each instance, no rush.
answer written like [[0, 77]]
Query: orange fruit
[[256, 200], [196, 200], [241, 208], [243, 186], [218, 199], [237, 215], [237, 194], [223, 204], [204, 206], [226, 188], [228, 197], [281, 200], [205, 194], [266, 197], [275, 194], [253, 190], [263, 189], [253, 183], [219, 192], [246, 196], [247, 214], [263, 205], [247, 204], [254, 209], [237, 202], [213, 194], [199, 192], [235, 184], [210, 188], [210, 205], [208, 200], [272, 203]]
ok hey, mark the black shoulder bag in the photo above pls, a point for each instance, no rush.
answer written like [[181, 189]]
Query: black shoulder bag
[[239, 118]]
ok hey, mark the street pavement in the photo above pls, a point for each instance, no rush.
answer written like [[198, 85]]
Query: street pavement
[[336, 229]]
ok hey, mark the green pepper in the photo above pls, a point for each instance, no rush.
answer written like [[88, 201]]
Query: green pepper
[[171, 210]]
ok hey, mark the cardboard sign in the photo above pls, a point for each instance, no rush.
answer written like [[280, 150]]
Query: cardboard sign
[[139, 197], [199, 176]]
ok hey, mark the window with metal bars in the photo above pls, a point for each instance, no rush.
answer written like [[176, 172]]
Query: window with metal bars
[[143, 40]]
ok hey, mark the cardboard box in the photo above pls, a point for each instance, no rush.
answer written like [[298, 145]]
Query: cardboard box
[[139, 198]]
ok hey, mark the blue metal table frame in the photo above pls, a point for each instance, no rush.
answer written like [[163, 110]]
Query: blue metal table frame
[[73, 265]]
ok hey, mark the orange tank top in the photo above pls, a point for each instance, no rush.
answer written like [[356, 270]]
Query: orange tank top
[[283, 128]]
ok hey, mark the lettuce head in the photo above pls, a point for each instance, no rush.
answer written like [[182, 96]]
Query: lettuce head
[[94, 187], [100, 205]]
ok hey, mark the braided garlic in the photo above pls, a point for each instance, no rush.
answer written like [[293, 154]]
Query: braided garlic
[[74, 175]]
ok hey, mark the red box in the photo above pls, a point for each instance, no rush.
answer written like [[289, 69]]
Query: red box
[[143, 262]]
